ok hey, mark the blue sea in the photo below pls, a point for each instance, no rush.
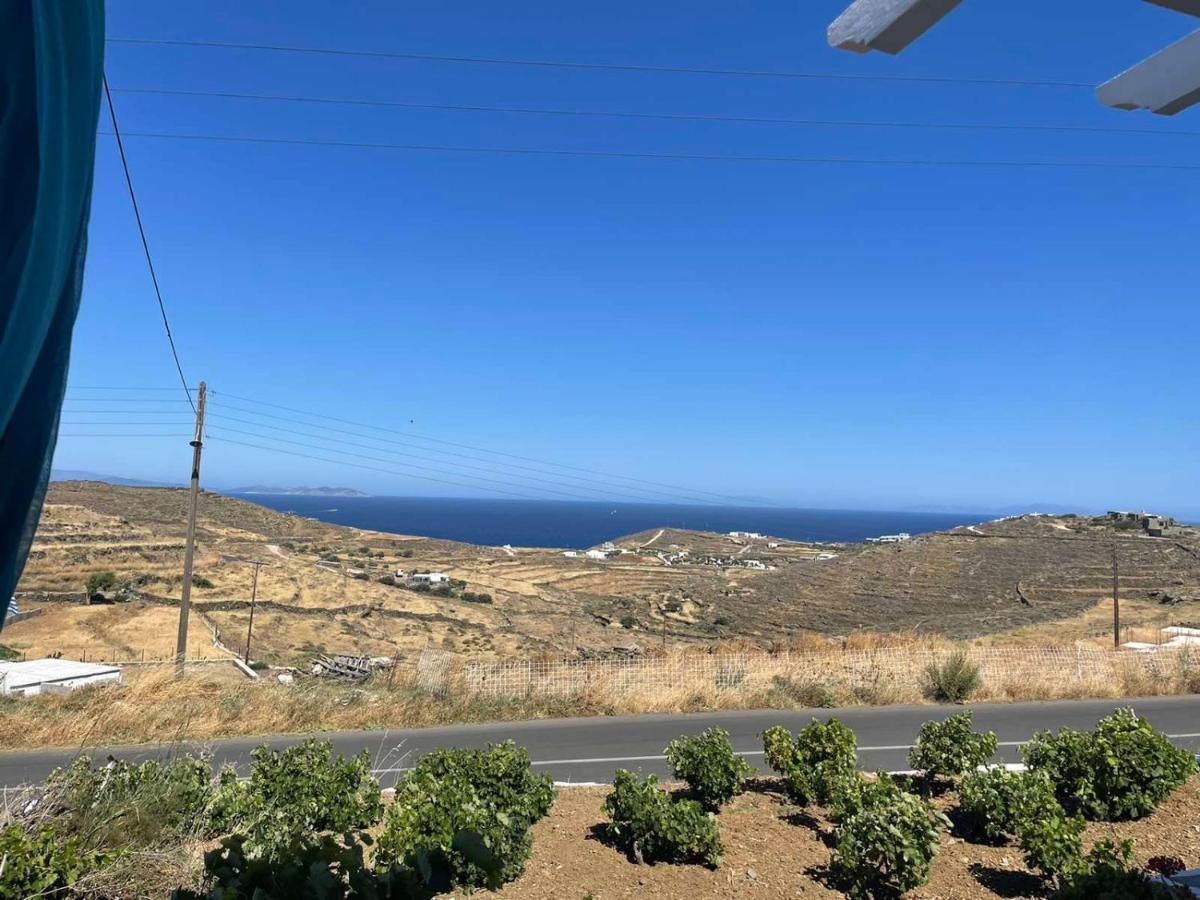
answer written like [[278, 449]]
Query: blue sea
[[550, 523]]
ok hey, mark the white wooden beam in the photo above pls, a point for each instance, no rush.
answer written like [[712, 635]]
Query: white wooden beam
[[887, 25], [1165, 83]]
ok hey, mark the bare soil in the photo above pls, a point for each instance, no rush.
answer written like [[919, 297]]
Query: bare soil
[[776, 850]]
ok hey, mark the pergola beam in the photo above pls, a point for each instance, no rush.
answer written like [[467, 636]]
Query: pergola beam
[[1165, 83], [1190, 7], [887, 25]]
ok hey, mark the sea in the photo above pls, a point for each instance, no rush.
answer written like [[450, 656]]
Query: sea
[[575, 524]]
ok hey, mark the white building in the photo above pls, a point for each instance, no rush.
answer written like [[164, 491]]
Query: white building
[[570, 553], [53, 676], [891, 538], [430, 577], [745, 534], [597, 554]]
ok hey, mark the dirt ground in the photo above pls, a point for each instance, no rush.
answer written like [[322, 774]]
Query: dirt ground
[[776, 850]]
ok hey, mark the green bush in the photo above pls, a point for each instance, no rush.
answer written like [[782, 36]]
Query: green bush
[[889, 843], [997, 802], [1121, 770], [647, 824], [101, 581], [1105, 874], [122, 805], [43, 864], [708, 764], [951, 748], [201, 582], [300, 790], [461, 818], [8, 653], [1053, 845], [312, 867], [816, 763], [953, 680]]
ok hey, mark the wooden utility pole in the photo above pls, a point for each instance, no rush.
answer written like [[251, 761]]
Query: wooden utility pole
[[185, 595], [1116, 601], [253, 597]]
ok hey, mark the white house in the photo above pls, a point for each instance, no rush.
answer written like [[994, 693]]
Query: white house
[[52, 676], [597, 554], [570, 553], [430, 577]]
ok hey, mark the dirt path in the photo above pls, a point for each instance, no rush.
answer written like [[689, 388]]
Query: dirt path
[[653, 539]]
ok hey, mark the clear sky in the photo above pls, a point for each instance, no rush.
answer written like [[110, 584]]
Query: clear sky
[[820, 335]]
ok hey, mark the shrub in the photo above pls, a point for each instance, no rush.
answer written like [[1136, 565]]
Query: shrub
[[1118, 884], [201, 582], [1053, 845], [647, 824], [817, 762], [951, 748], [8, 653], [889, 843], [296, 791], [389, 580], [124, 805], [471, 597], [101, 581], [953, 680], [997, 802], [1121, 770], [628, 621], [44, 863], [325, 867], [805, 693], [1165, 865], [708, 764], [461, 818]]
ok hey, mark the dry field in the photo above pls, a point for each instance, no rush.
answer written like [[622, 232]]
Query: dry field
[[1023, 581]]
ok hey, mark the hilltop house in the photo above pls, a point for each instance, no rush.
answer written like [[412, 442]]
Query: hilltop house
[[430, 577]]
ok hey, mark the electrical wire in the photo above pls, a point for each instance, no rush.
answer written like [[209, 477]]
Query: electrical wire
[[341, 462], [461, 446], [669, 117], [684, 157], [627, 494], [615, 67], [137, 214], [675, 495]]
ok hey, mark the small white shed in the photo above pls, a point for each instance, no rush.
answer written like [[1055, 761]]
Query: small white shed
[[49, 676]]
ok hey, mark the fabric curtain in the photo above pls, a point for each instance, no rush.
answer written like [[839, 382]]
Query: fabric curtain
[[51, 67]]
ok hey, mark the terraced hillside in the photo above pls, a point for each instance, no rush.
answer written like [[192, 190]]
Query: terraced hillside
[[323, 588]]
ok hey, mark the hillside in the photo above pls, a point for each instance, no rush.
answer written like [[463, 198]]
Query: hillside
[[320, 590]]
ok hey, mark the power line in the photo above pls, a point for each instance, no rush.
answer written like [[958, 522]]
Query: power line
[[685, 157], [614, 67], [120, 435], [406, 466], [624, 493], [77, 387], [669, 117], [341, 462], [461, 446], [675, 495], [137, 213]]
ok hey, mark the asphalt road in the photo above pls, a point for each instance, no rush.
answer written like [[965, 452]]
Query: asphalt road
[[591, 749]]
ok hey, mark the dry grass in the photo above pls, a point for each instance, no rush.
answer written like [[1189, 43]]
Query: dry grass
[[155, 706]]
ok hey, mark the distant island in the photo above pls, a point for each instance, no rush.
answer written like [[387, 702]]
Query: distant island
[[299, 491]]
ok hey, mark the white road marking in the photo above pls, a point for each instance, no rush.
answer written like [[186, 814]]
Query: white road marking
[[593, 760]]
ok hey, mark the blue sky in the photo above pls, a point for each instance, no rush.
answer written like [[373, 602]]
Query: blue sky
[[823, 335]]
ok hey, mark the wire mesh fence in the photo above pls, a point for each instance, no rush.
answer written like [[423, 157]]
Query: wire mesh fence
[[902, 667]]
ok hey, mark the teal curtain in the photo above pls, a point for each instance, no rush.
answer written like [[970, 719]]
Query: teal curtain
[[51, 66]]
